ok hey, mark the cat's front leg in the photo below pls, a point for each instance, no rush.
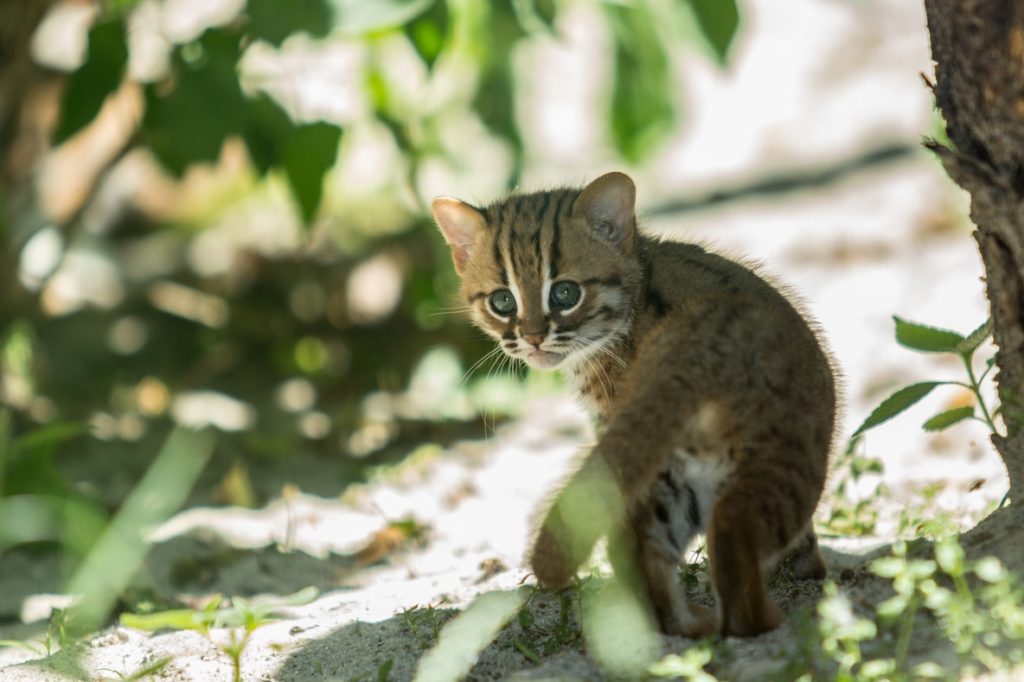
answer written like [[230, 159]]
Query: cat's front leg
[[585, 509]]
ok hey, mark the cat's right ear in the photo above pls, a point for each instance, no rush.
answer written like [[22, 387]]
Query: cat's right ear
[[609, 206], [461, 225]]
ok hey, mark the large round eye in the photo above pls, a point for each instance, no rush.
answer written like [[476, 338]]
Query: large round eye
[[565, 295], [502, 302]]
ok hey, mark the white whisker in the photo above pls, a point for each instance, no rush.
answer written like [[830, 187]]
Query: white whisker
[[476, 365]]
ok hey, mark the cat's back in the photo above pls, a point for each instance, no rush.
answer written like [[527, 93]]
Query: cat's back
[[739, 329], [684, 273]]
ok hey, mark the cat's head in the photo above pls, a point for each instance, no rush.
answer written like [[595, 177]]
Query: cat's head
[[552, 276]]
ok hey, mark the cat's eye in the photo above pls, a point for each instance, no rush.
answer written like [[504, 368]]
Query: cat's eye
[[502, 302], [565, 295]]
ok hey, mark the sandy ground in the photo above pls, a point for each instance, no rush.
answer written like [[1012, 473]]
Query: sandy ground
[[890, 241]]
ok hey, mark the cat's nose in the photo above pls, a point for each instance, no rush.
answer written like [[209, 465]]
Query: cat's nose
[[534, 339]]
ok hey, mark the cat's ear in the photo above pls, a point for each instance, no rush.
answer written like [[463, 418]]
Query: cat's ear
[[461, 225], [608, 204]]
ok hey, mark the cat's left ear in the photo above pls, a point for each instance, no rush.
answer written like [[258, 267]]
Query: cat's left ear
[[461, 224], [609, 206]]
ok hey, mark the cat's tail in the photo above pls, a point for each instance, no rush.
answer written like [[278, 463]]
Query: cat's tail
[[589, 506]]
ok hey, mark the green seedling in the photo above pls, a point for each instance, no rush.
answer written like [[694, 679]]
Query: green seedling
[[57, 637], [30, 645], [141, 673], [690, 665], [535, 641], [694, 569], [243, 616], [850, 512], [422, 624], [384, 670]]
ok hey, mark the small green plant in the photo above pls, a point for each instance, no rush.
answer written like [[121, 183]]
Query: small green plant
[[843, 635], [142, 673], [423, 624], [985, 624], [978, 606], [927, 339], [30, 645], [920, 519], [59, 633], [694, 573], [58, 636], [243, 616], [689, 665], [851, 512], [535, 641], [384, 670]]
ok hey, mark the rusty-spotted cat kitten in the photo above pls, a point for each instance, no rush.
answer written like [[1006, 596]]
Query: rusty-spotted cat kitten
[[715, 400]]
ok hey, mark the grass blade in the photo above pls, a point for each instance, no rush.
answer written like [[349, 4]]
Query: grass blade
[[619, 632], [118, 554], [465, 636]]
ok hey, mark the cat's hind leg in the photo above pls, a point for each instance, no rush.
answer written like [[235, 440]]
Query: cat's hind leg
[[804, 560], [662, 530], [756, 519], [745, 609]]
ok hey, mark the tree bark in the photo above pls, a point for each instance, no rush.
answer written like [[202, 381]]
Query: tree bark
[[22, 84], [978, 48], [28, 97]]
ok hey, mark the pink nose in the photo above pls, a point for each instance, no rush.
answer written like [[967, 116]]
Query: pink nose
[[534, 339]]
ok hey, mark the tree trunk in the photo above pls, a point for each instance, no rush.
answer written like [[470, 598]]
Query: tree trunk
[[28, 94], [978, 48]]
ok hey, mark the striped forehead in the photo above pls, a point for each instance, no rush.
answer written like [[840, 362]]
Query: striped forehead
[[527, 235]]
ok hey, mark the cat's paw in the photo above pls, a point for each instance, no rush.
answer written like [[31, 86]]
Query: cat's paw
[[805, 561], [693, 622], [752, 621], [549, 562]]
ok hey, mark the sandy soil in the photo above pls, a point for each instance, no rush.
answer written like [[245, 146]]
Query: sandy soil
[[890, 241]]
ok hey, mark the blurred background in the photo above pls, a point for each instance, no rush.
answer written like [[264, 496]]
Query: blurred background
[[214, 213]]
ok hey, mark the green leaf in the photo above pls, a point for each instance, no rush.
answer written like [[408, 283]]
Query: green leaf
[[359, 17], [308, 154], [929, 669], [946, 419], [642, 108], [384, 670], [99, 75], [49, 436], [275, 20], [179, 619], [718, 21], [305, 152], [535, 19], [267, 127], [924, 338], [494, 100], [975, 339], [466, 635], [204, 107], [429, 33], [115, 558], [896, 403]]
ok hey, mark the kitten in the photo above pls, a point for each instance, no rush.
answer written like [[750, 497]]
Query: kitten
[[715, 400]]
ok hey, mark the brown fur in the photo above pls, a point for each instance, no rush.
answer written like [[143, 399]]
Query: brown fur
[[716, 399]]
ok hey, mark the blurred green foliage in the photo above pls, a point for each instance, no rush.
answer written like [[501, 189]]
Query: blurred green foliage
[[274, 338]]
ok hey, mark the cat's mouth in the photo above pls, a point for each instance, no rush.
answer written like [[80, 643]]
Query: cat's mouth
[[542, 359]]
